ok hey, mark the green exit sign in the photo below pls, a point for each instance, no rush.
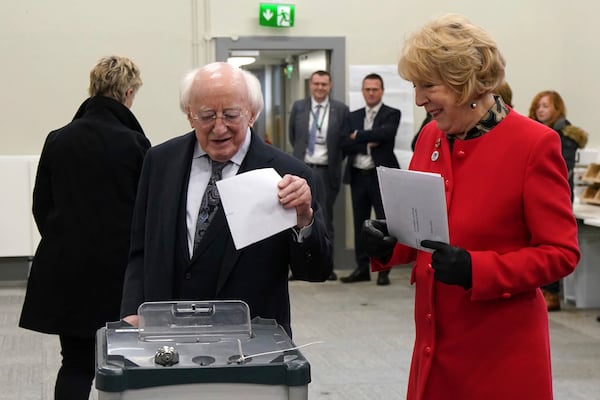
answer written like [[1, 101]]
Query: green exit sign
[[276, 15]]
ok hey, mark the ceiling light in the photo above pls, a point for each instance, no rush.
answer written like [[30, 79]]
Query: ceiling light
[[244, 53], [240, 61]]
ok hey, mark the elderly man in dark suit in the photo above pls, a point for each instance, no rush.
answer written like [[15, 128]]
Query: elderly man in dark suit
[[317, 126], [369, 146], [179, 251]]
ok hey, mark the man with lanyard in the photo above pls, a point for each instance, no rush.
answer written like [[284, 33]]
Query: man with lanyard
[[317, 126]]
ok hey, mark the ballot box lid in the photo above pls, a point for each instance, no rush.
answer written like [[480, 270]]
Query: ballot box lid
[[202, 342], [193, 321]]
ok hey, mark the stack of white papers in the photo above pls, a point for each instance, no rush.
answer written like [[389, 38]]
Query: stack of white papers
[[415, 205]]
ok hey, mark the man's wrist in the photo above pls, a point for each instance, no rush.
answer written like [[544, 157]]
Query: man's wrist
[[305, 221], [301, 233]]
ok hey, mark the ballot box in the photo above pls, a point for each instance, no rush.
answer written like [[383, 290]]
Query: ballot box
[[198, 350]]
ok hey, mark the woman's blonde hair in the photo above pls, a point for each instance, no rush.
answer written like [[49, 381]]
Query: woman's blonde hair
[[505, 92], [451, 50], [112, 76]]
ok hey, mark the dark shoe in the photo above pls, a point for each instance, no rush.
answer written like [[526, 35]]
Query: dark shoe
[[552, 300], [291, 278], [357, 275], [598, 318], [383, 278], [332, 277]]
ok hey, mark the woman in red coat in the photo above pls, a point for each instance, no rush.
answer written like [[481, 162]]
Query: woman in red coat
[[480, 317]]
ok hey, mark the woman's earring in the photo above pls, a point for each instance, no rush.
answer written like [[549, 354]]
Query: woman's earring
[[473, 105]]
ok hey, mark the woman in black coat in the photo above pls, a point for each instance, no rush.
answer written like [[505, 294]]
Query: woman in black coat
[[82, 203]]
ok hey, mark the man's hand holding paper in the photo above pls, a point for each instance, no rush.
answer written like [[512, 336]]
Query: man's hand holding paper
[[294, 192], [259, 204]]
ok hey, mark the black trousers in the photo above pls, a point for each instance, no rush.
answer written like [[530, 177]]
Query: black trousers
[[364, 188], [75, 376]]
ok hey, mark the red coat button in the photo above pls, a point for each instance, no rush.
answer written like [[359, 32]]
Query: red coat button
[[428, 317], [506, 295], [427, 350], [461, 154]]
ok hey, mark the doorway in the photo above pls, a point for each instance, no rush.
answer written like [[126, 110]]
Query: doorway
[[274, 55]]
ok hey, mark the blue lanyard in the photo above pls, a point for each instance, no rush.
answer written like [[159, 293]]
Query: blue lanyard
[[315, 121]]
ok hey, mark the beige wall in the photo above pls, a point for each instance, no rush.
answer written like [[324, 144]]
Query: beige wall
[[48, 48]]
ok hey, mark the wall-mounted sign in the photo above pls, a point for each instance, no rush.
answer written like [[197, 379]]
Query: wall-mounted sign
[[276, 15]]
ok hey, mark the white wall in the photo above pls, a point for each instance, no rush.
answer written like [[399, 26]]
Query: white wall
[[19, 236], [48, 48]]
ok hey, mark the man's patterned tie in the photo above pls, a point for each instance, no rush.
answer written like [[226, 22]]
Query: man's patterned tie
[[210, 201]]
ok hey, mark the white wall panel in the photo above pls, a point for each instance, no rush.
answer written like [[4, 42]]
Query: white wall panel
[[18, 233]]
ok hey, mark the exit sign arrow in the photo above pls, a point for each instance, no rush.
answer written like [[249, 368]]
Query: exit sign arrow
[[268, 14]]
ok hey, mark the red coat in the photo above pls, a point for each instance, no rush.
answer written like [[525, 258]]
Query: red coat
[[509, 205]]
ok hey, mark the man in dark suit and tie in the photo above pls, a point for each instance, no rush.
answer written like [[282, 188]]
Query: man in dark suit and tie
[[168, 259], [317, 126], [370, 145]]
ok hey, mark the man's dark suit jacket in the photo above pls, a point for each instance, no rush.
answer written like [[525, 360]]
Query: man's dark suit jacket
[[337, 129], [159, 267], [385, 127]]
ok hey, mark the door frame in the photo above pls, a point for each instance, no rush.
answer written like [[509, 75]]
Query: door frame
[[336, 45]]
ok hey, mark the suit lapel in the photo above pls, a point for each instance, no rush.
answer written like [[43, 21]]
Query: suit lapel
[[257, 157], [181, 167], [306, 118], [332, 118], [362, 115], [217, 225], [379, 116], [332, 136]]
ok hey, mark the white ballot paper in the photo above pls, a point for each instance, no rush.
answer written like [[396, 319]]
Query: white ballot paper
[[252, 206], [415, 205]]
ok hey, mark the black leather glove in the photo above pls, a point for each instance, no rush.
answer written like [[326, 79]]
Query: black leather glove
[[378, 242], [452, 265]]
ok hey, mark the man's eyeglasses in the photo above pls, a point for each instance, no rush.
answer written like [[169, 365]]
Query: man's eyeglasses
[[228, 117]]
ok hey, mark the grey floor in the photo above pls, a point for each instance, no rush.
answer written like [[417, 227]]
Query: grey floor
[[367, 334]]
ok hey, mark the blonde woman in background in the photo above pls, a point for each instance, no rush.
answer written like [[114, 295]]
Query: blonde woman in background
[[82, 204]]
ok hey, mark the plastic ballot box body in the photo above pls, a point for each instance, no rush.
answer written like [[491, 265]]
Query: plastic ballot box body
[[198, 350]]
